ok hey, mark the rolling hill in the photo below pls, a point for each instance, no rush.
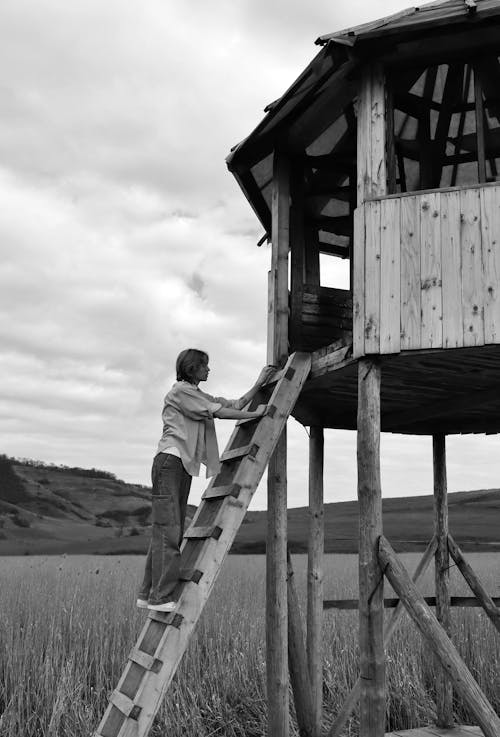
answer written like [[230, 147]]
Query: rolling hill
[[48, 509]]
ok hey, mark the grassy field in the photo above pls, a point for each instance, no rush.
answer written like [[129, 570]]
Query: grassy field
[[67, 624]]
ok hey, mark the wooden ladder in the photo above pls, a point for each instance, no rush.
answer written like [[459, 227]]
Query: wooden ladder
[[154, 659]]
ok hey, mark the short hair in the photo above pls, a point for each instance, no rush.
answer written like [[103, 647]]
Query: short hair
[[188, 362]]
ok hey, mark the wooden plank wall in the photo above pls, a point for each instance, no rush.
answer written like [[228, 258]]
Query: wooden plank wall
[[429, 268], [320, 316]]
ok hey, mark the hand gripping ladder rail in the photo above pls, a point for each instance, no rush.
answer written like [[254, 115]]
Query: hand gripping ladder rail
[[165, 636]]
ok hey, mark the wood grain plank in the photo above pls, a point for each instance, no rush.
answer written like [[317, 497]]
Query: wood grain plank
[[378, 131], [490, 236], [358, 305], [280, 207], [430, 278], [472, 270], [410, 274], [364, 139], [390, 277], [453, 330], [372, 277]]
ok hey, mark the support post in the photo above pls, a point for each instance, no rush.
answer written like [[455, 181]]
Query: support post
[[353, 697], [297, 657], [371, 590], [439, 641], [315, 573], [444, 690], [276, 567], [297, 256]]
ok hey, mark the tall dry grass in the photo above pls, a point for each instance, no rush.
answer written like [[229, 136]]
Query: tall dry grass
[[67, 625]]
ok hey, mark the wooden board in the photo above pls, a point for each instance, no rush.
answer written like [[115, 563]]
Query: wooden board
[[430, 277], [451, 259], [358, 313], [372, 279], [390, 277], [472, 272], [490, 236], [410, 273]]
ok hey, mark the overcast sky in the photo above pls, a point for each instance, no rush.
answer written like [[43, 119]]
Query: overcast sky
[[124, 239]]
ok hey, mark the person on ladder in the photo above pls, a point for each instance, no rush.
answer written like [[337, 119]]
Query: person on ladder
[[188, 440]]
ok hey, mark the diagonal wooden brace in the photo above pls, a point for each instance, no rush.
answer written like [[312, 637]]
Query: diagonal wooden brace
[[432, 631]]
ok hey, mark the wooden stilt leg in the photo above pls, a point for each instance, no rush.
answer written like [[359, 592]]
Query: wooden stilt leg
[[444, 691], [371, 592], [297, 659], [276, 591], [276, 584], [315, 573]]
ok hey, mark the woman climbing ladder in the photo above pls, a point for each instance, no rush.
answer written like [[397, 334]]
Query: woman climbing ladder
[[188, 440]]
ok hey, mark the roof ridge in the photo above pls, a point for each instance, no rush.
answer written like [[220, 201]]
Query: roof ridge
[[353, 31]]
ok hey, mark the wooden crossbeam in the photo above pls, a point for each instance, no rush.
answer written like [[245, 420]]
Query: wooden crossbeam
[[461, 123], [340, 225], [451, 95], [463, 681], [467, 602]]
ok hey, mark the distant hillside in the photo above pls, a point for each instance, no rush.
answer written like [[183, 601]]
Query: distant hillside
[[55, 509]]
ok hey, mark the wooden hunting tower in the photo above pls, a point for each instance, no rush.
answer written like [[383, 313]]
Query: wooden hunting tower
[[384, 152]]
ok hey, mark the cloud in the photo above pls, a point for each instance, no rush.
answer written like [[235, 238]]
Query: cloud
[[124, 238]]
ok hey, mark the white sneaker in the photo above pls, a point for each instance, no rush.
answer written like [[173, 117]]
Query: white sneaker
[[142, 604], [167, 606]]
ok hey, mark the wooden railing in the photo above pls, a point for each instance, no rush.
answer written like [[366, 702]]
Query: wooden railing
[[320, 316], [427, 270]]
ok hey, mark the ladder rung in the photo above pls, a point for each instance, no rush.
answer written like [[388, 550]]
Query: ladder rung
[[252, 419], [289, 374], [190, 574], [203, 532], [149, 662], [170, 618], [250, 451], [217, 492], [125, 705], [275, 378]]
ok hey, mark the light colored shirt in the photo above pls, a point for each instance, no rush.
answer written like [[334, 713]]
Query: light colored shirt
[[188, 425], [173, 451]]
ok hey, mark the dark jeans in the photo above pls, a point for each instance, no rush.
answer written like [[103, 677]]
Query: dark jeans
[[171, 484]]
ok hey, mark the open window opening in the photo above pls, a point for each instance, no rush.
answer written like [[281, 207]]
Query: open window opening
[[446, 125], [334, 272]]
